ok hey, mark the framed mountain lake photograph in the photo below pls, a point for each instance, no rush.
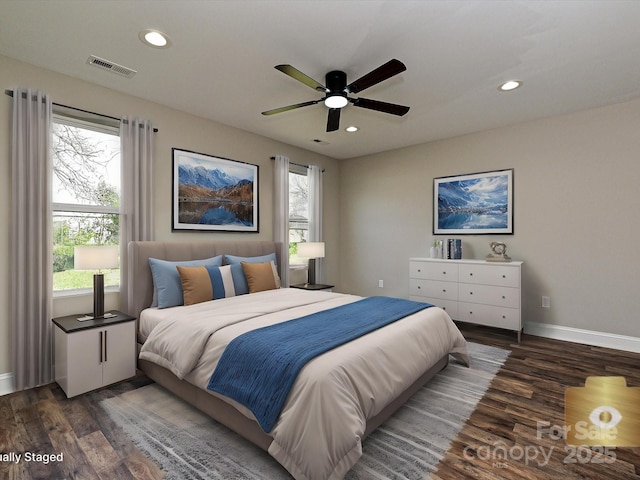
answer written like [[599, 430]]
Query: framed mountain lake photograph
[[213, 193], [476, 203]]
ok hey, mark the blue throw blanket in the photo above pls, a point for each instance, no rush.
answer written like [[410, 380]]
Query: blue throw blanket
[[258, 368]]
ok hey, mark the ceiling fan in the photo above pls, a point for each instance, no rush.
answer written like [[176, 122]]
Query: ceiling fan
[[337, 91]]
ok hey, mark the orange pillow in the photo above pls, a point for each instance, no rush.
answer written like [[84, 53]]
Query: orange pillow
[[261, 276], [196, 284]]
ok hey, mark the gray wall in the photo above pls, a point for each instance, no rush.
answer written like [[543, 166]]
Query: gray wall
[[577, 205]]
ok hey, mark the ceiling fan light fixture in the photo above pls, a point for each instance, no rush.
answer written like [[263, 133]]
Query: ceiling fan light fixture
[[352, 128], [510, 85], [154, 38], [336, 101]]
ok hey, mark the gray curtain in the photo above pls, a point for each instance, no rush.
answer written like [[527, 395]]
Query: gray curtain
[[136, 205], [281, 213], [31, 240], [314, 175]]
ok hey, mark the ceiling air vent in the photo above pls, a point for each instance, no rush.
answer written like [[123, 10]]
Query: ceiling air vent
[[110, 66]]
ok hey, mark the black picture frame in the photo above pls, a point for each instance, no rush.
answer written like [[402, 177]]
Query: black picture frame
[[213, 193]]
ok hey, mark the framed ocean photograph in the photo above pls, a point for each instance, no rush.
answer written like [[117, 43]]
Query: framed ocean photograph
[[476, 203], [213, 193]]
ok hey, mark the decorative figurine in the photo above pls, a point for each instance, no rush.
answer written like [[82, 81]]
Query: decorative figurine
[[499, 254]]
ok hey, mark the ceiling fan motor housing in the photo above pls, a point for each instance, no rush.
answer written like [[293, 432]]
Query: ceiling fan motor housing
[[336, 82]]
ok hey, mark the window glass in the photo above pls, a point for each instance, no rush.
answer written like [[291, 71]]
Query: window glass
[[86, 196], [298, 213]]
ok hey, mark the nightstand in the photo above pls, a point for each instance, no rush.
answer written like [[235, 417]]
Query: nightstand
[[94, 353], [313, 286]]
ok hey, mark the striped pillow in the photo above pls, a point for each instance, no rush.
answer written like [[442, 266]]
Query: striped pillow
[[211, 282], [222, 281]]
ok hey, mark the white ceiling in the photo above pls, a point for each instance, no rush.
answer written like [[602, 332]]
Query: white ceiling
[[571, 55]]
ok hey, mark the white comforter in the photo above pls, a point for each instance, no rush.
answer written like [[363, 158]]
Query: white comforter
[[319, 432]]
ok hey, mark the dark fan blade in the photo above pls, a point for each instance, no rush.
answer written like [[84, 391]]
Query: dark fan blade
[[392, 108], [290, 107], [301, 77], [333, 120], [388, 70]]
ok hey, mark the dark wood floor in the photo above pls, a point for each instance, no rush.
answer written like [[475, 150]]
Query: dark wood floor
[[501, 439], [528, 389]]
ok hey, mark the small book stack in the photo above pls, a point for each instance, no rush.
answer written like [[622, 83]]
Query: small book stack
[[454, 249]]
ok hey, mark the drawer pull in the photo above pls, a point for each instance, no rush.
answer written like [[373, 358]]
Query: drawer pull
[[444, 273], [444, 290], [470, 313], [419, 287], [471, 274], [503, 297], [419, 270], [504, 276], [504, 316], [470, 293]]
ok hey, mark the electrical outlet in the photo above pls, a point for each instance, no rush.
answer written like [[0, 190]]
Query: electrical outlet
[[546, 302], [380, 283]]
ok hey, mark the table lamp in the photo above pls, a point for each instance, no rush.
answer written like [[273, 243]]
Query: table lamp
[[96, 257], [311, 250]]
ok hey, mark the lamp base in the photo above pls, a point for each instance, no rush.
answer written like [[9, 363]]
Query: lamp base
[[311, 278], [98, 295]]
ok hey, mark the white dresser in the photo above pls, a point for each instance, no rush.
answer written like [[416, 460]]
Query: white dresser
[[474, 291]]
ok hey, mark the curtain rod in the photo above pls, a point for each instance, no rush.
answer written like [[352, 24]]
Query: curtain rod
[[296, 164], [10, 93]]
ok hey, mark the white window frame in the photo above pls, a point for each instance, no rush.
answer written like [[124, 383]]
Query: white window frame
[[107, 126]]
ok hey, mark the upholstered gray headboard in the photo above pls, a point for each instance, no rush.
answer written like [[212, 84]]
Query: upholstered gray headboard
[[140, 288]]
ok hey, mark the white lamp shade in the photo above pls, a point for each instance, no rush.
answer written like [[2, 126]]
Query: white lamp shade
[[311, 249], [96, 257]]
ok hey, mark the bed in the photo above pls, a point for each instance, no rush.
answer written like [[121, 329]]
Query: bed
[[337, 399]]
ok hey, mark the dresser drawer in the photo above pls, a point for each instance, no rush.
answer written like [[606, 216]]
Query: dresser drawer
[[501, 317], [434, 271], [489, 295], [490, 275], [449, 306], [433, 288]]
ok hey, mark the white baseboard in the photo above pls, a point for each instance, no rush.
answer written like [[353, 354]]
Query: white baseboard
[[588, 337], [6, 383]]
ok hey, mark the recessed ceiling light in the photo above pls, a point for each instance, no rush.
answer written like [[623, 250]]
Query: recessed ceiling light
[[155, 38], [510, 85], [352, 128]]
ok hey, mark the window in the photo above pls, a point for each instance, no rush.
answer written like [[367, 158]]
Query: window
[[85, 195], [298, 212]]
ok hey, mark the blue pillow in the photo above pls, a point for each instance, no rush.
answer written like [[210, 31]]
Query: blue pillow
[[234, 260], [239, 280], [167, 288]]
